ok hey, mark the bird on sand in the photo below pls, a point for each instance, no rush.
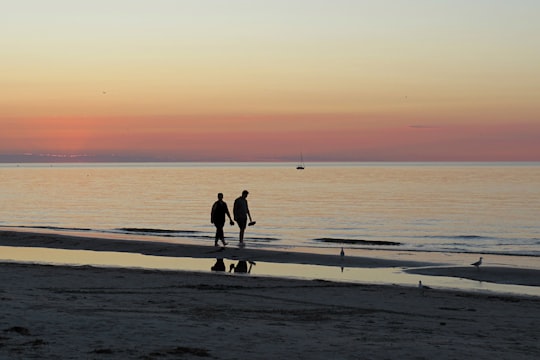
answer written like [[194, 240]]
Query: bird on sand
[[422, 287], [342, 253], [478, 263]]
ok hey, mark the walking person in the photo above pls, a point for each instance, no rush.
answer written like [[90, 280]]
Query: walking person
[[217, 217], [241, 214]]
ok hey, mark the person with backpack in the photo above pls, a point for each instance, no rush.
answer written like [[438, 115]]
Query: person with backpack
[[217, 217]]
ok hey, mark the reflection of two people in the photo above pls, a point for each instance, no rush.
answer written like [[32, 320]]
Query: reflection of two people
[[240, 267]]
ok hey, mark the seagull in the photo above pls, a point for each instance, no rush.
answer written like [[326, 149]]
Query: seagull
[[342, 253], [422, 287], [478, 263]]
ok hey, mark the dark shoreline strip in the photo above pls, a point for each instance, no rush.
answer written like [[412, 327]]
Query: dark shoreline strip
[[495, 274], [357, 242], [70, 242]]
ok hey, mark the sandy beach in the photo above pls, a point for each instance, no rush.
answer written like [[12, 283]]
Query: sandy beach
[[61, 312]]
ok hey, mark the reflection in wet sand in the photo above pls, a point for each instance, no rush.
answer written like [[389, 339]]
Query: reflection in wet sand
[[240, 267], [393, 276], [219, 265]]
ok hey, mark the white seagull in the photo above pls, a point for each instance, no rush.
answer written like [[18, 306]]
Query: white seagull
[[478, 263]]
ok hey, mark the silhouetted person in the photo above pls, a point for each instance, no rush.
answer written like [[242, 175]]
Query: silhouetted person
[[241, 214], [217, 217]]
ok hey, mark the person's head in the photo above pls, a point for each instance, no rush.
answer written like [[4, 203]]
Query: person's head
[[245, 193], [220, 196]]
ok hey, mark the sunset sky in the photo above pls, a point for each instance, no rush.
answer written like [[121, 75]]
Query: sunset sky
[[254, 80]]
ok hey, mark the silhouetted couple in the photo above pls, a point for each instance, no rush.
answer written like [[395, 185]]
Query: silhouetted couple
[[241, 215]]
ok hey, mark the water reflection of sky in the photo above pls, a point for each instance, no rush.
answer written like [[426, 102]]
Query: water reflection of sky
[[301, 271]]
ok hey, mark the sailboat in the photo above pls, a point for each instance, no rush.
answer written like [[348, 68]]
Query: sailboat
[[301, 165]]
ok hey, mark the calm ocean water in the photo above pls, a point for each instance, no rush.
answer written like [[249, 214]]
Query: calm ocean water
[[486, 208]]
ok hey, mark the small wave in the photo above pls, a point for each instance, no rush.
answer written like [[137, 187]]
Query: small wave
[[156, 231], [263, 239], [163, 233], [358, 242], [455, 237], [59, 228]]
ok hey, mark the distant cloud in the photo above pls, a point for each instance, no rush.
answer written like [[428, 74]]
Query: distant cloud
[[72, 156], [54, 158], [420, 126]]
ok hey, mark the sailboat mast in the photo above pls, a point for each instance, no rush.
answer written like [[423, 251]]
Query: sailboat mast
[[301, 166]]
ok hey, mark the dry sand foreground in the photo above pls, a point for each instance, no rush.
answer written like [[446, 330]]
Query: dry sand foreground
[[50, 312], [56, 312]]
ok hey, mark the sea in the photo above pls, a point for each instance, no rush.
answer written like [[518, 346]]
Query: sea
[[472, 209]]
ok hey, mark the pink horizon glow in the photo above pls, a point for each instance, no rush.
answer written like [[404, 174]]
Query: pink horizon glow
[[244, 80], [267, 138]]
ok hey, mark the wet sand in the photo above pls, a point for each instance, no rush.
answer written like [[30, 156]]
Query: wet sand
[[60, 312], [494, 274], [56, 241]]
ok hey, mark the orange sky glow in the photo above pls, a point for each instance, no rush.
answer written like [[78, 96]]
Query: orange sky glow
[[266, 81]]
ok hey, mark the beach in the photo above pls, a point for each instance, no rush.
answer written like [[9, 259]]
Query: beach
[[74, 312]]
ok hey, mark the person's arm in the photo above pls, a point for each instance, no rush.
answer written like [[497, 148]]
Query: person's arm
[[212, 213], [229, 215], [235, 208]]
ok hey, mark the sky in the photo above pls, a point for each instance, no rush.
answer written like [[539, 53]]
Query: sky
[[254, 80]]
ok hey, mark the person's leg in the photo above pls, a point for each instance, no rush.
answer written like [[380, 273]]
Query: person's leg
[[242, 226], [242, 235], [222, 237], [219, 234]]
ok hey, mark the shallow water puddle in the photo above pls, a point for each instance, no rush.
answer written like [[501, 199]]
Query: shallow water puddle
[[385, 276]]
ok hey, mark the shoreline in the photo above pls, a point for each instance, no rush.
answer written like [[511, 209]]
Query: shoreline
[[72, 312], [130, 244], [436, 267]]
